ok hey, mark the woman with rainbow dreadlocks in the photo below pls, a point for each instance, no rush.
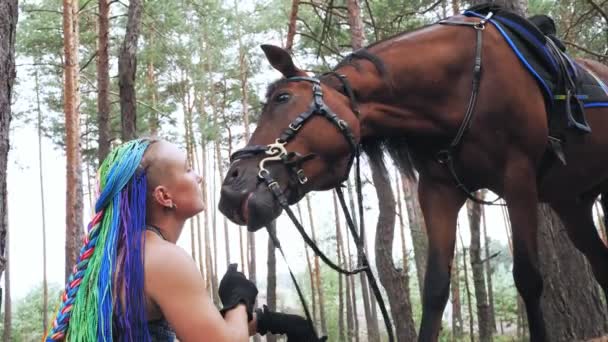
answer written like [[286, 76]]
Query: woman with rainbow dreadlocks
[[131, 282]]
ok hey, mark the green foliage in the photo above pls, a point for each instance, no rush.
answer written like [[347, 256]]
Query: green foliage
[[27, 314]]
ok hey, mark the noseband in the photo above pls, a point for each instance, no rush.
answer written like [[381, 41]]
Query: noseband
[[277, 152]]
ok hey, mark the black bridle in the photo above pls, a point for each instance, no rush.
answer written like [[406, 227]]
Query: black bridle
[[277, 152]]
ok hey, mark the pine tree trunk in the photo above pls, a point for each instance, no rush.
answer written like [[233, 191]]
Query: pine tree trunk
[[357, 37], [103, 81], [291, 31], [271, 279], [468, 292], [45, 297], [8, 31], [220, 170], [8, 312], [243, 71], [395, 282], [153, 123], [353, 293], [481, 297], [74, 205], [127, 68], [340, 260], [317, 273], [572, 302], [489, 272], [457, 323], [356, 24], [456, 7], [417, 227], [313, 291], [400, 213]]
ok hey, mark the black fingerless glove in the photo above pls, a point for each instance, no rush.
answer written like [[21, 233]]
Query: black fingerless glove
[[236, 289], [297, 328]]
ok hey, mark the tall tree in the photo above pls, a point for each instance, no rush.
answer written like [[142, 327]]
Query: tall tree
[[488, 269], [45, 297], [243, 77], [317, 271], [340, 259], [571, 295], [271, 280], [355, 22], [8, 326], [481, 298], [395, 282], [468, 292], [8, 30], [127, 68], [291, 31], [74, 196], [417, 227], [103, 81], [457, 323]]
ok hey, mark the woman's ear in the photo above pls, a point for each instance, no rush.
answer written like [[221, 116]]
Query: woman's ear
[[162, 197]]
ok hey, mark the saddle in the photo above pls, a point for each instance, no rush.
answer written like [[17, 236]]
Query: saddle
[[567, 87]]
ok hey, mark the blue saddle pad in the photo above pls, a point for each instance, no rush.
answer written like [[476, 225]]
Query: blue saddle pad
[[530, 46]]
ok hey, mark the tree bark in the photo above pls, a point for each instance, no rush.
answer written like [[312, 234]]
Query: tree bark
[[291, 31], [372, 326], [74, 196], [8, 31], [489, 272], [103, 81], [8, 315], [45, 297], [356, 24], [310, 270], [317, 273], [417, 227], [457, 323], [395, 282], [271, 279], [572, 302], [353, 293], [127, 68], [483, 309], [340, 259], [468, 292]]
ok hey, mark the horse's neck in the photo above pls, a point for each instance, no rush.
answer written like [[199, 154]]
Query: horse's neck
[[420, 90]]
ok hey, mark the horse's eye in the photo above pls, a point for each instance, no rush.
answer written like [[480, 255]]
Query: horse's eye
[[282, 98]]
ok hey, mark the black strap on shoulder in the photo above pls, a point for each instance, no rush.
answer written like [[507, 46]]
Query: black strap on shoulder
[[446, 156]]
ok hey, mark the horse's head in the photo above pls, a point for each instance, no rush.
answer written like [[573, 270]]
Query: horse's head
[[305, 140]]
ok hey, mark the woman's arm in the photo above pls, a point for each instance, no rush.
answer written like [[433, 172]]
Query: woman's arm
[[174, 283]]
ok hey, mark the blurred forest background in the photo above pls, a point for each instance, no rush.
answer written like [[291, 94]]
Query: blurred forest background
[[91, 73]]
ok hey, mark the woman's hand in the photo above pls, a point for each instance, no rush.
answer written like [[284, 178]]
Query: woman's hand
[[235, 289], [297, 328]]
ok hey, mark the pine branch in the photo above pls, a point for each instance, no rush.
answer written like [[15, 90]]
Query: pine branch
[[599, 9], [584, 49]]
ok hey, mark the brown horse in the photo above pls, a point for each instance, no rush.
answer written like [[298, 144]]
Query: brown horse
[[412, 92]]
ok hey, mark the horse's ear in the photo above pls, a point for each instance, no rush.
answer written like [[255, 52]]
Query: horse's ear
[[281, 60]]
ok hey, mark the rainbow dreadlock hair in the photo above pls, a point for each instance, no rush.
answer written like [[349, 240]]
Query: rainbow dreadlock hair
[[104, 298]]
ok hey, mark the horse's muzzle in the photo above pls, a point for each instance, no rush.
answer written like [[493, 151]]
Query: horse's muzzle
[[245, 200]]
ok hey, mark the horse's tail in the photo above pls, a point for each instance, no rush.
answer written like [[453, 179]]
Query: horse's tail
[[604, 203]]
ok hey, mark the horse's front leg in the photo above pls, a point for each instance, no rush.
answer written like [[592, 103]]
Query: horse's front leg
[[440, 204], [520, 193]]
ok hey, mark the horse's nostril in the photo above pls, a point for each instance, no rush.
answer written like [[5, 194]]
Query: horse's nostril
[[234, 173]]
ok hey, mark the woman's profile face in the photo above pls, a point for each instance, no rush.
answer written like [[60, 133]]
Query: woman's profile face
[[171, 173]]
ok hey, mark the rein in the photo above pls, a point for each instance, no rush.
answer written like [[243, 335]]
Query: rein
[[446, 155], [277, 152]]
